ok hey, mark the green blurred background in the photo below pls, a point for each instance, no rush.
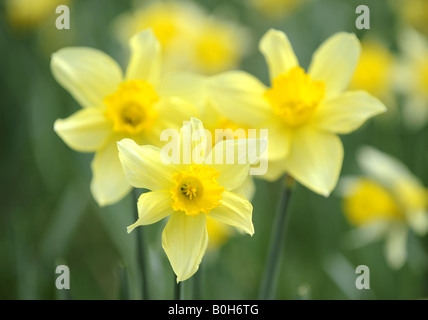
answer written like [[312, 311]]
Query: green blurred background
[[48, 216]]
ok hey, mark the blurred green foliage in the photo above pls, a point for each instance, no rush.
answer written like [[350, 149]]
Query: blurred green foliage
[[48, 216]]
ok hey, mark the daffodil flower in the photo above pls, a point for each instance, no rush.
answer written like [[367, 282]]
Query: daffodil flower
[[303, 111], [411, 78], [384, 203], [138, 105], [191, 39], [188, 194]]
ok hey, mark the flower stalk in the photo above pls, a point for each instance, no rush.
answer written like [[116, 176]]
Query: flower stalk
[[141, 250], [268, 286]]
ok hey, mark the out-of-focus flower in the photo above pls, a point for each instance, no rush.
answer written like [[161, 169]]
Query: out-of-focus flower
[[412, 78], [413, 13], [26, 14], [374, 72], [138, 105], [385, 203], [275, 8], [191, 39], [188, 193], [303, 112]]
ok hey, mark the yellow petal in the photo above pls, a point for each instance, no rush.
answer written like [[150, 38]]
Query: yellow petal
[[145, 63], [185, 241], [152, 207], [108, 183], [278, 52], [86, 130], [88, 74], [384, 168], [418, 221], [235, 211], [347, 112], [315, 160], [173, 112], [396, 246], [247, 189], [143, 166], [275, 170], [334, 62], [279, 140], [239, 97], [188, 86], [232, 159]]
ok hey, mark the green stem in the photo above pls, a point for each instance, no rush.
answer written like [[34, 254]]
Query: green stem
[[178, 290], [141, 250], [268, 286]]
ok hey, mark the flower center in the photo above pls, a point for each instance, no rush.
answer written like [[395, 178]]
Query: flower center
[[370, 202], [424, 76], [130, 108], [196, 190], [294, 96]]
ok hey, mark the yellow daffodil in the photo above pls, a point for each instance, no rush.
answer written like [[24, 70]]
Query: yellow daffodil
[[276, 8], [374, 72], [413, 13], [303, 111], [138, 105], [385, 202], [412, 78], [191, 39], [188, 193], [28, 13]]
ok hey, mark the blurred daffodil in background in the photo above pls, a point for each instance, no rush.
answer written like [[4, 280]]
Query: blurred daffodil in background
[[302, 111], [413, 13], [276, 8], [386, 202], [188, 193], [375, 71], [412, 78], [191, 39], [138, 106], [27, 14]]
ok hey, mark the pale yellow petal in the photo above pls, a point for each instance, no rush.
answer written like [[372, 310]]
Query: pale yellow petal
[[87, 74], [187, 86], [239, 96], [173, 113], [247, 189], [185, 240], [279, 139], [194, 143], [347, 112], [396, 246], [384, 168], [235, 211], [315, 160], [143, 166], [152, 207], [334, 62], [418, 221], [232, 159], [145, 62], [108, 183], [276, 169], [278, 52], [85, 131]]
